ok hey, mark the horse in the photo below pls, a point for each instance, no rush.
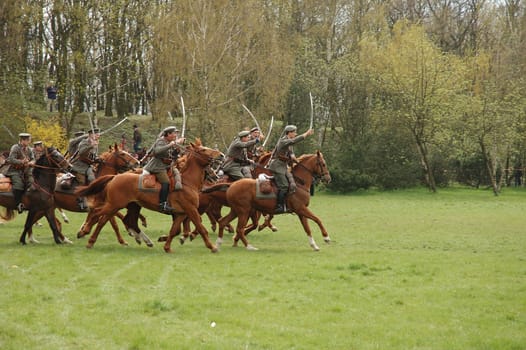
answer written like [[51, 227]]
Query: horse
[[110, 162], [40, 200], [243, 199], [126, 189]]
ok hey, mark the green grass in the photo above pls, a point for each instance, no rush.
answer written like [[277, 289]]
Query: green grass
[[405, 270]]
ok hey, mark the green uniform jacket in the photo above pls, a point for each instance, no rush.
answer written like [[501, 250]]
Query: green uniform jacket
[[85, 156], [16, 170], [163, 154], [236, 157], [283, 154]]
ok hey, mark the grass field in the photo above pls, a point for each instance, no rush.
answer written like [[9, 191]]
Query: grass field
[[405, 270]]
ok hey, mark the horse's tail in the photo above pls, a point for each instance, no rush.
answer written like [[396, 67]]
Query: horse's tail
[[97, 186], [6, 214]]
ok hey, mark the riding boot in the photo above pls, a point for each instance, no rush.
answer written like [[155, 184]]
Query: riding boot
[[82, 203], [18, 200], [163, 196], [178, 182], [280, 205]]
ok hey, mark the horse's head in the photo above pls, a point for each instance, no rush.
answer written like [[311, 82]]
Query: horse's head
[[53, 159], [118, 159], [205, 155], [316, 165]]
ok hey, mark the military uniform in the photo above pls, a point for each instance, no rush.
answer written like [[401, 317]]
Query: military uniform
[[237, 159], [73, 143], [280, 161], [164, 154], [38, 149], [85, 156], [21, 161]]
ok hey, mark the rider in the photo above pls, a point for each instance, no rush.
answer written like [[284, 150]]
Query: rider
[[83, 160], [282, 157], [21, 161], [165, 151], [237, 163], [38, 149], [73, 143]]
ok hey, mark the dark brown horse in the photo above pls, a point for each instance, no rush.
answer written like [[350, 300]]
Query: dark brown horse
[[124, 189], [243, 199], [113, 161], [41, 199]]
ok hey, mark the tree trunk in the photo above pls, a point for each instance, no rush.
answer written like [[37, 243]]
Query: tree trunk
[[490, 167], [422, 150]]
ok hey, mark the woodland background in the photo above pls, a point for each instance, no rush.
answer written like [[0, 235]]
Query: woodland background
[[405, 91]]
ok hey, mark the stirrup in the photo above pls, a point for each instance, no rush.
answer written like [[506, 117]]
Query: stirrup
[[165, 208], [280, 209], [20, 207]]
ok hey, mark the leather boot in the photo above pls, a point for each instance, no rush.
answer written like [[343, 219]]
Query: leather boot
[[280, 204], [163, 196], [81, 202], [292, 182], [18, 200], [178, 182]]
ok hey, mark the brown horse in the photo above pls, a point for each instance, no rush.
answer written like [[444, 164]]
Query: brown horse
[[41, 199], [243, 199], [124, 189], [113, 161]]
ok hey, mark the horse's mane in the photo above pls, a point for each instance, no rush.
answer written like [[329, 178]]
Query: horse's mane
[[42, 161]]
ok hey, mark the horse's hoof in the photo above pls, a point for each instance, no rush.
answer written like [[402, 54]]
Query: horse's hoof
[[168, 250], [162, 239], [251, 247], [327, 240], [89, 245], [181, 240], [67, 241], [274, 229], [124, 243], [80, 235], [214, 250]]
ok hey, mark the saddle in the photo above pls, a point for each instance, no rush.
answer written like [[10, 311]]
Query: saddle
[[265, 187], [5, 184], [148, 182], [67, 182]]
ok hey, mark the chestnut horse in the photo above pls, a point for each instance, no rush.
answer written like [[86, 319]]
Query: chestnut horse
[[243, 200], [41, 199], [124, 189]]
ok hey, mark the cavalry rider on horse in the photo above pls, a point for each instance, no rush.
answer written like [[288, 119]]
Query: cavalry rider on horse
[[83, 159], [283, 157], [73, 144], [165, 151], [20, 162], [237, 163]]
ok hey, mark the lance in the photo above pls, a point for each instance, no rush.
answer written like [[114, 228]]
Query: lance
[[311, 111], [269, 131], [184, 118], [252, 115], [114, 126], [9, 131]]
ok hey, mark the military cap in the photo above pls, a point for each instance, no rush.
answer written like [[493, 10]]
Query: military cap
[[79, 133], [94, 131], [169, 130], [38, 143], [243, 133], [254, 129], [290, 128], [24, 135]]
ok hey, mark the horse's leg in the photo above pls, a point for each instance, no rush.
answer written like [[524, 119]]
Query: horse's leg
[[175, 229], [64, 216], [223, 222], [144, 223], [268, 223], [30, 235], [131, 222], [86, 227], [102, 221], [305, 214], [242, 219], [30, 219], [52, 221], [115, 227], [194, 216]]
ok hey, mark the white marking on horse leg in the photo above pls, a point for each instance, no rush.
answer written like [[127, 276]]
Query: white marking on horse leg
[[66, 240], [64, 216], [251, 247], [327, 239], [219, 241], [33, 239], [313, 244], [146, 239]]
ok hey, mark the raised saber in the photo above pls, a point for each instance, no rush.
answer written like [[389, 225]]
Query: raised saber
[[252, 115], [114, 126], [184, 117], [311, 111], [269, 131]]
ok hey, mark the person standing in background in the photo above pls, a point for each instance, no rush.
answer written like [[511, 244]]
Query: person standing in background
[[51, 92], [137, 139]]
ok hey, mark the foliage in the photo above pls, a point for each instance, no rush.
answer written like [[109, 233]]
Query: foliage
[[48, 131]]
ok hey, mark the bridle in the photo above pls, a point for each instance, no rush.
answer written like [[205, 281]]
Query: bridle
[[63, 164], [320, 165], [124, 156]]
